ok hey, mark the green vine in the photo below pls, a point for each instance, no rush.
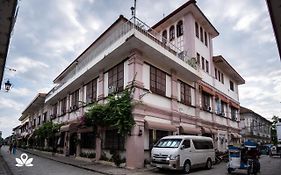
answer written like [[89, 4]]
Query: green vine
[[116, 113]]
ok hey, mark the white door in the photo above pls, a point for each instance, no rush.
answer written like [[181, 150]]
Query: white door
[[185, 152]]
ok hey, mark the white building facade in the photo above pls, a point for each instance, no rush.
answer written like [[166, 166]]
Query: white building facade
[[183, 88], [255, 127]]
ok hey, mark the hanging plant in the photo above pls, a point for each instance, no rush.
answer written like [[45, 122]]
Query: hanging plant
[[116, 113]]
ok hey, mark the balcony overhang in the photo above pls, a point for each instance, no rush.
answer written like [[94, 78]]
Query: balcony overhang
[[274, 8], [36, 103], [222, 64], [7, 20], [120, 50]]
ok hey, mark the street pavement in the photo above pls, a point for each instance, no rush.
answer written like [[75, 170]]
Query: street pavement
[[42, 166], [48, 165]]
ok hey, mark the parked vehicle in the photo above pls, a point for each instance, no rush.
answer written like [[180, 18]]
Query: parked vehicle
[[244, 157], [183, 152], [276, 149]]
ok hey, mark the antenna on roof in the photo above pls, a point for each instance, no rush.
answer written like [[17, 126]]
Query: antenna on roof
[[134, 10]]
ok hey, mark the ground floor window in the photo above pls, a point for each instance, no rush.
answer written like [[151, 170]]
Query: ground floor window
[[88, 140], [155, 135], [113, 140]]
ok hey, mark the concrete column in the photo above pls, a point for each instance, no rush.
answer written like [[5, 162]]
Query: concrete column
[[175, 118], [101, 85], [197, 100], [66, 144], [78, 146], [98, 144], [213, 99], [135, 71], [135, 147]]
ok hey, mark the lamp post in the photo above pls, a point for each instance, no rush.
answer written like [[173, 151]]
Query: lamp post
[[7, 86]]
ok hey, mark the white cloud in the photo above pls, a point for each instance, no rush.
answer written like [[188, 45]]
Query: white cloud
[[9, 103], [24, 64]]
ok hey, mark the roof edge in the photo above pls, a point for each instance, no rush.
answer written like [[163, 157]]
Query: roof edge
[[121, 17]]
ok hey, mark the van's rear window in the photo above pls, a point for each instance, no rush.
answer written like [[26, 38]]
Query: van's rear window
[[168, 143]]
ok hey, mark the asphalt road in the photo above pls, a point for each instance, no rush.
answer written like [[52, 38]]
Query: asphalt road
[[41, 166]]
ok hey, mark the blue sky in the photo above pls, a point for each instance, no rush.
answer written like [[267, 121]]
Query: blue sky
[[49, 35]]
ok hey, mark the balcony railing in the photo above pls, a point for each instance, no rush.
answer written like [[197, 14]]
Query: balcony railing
[[126, 27]]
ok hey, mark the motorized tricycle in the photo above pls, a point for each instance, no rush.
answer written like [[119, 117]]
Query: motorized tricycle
[[244, 157]]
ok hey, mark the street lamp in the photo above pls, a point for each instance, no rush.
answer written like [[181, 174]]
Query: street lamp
[[7, 86]]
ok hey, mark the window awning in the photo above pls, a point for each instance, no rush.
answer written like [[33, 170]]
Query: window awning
[[222, 97], [69, 127], [189, 130], [236, 135], [206, 130], [207, 89], [160, 126], [209, 130], [214, 131], [234, 105]]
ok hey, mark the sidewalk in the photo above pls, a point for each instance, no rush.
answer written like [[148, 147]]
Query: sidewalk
[[91, 166]]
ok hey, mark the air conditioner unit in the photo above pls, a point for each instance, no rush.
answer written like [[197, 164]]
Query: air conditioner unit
[[111, 89]]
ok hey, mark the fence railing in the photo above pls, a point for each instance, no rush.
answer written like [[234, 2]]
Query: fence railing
[[98, 48]]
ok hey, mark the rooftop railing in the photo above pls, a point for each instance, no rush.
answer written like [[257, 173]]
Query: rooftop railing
[[132, 24]]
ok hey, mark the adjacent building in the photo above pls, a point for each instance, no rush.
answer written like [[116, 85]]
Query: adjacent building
[[254, 126], [274, 8], [8, 12], [183, 88]]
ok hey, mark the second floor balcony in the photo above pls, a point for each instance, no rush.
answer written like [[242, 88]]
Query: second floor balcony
[[115, 44]]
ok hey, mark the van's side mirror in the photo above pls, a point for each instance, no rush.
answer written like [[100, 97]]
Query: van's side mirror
[[182, 147]]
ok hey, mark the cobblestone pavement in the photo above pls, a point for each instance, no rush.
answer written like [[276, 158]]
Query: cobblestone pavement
[[46, 164], [269, 166], [4, 169], [42, 166]]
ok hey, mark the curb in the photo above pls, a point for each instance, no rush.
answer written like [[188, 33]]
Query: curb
[[71, 164]]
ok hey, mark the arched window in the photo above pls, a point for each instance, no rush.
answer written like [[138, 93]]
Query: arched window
[[172, 33], [164, 36], [180, 28]]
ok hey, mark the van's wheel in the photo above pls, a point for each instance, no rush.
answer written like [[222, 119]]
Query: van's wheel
[[209, 164], [186, 167]]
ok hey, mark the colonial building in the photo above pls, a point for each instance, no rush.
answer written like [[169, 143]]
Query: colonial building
[[183, 88], [254, 126]]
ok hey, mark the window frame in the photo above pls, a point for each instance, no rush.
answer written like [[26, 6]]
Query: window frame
[[63, 106], [116, 77], [231, 85], [201, 34], [206, 38], [197, 30], [179, 28], [74, 105], [157, 81], [91, 91], [185, 94], [207, 66], [206, 100], [172, 33], [164, 36], [203, 63]]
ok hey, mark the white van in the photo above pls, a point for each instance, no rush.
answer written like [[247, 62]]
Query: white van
[[183, 152]]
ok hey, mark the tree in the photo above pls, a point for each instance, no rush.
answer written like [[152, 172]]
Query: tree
[[273, 129], [46, 131]]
